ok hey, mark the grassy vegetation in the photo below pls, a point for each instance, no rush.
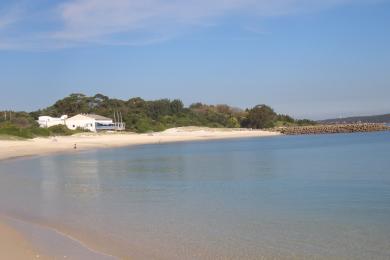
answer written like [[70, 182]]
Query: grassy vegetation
[[62, 130], [11, 138], [10, 131]]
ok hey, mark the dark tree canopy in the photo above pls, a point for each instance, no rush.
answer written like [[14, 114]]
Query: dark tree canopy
[[261, 116], [142, 116]]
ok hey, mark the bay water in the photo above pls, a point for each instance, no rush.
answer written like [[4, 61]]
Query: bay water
[[286, 197]]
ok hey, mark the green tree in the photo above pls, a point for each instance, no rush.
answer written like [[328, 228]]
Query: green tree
[[261, 116], [233, 122], [176, 106], [142, 116], [158, 108]]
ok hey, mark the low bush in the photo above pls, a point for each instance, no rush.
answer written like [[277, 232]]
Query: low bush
[[60, 130], [38, 131], [34, 131], [15, 131]]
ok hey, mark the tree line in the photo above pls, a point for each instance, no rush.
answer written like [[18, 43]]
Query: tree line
[[142, 116]]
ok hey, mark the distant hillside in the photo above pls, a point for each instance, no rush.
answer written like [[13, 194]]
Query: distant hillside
[[358, 119]]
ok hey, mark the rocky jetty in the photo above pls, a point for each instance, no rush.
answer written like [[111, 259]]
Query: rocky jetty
[[332, 129]]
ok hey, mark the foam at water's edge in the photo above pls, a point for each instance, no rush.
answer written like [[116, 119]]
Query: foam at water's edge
[[53, 242]]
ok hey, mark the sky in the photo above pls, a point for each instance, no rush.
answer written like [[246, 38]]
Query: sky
[[310, 59]]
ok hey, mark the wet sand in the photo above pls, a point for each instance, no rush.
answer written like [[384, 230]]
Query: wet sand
[[13, 245]]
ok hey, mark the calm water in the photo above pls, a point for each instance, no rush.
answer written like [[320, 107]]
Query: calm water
[[284, 197]]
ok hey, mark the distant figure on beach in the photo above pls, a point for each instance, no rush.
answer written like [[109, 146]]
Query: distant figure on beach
[[75, 146]]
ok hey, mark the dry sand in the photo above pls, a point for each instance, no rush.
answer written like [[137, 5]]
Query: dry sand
[[43, 146], [15, 246]]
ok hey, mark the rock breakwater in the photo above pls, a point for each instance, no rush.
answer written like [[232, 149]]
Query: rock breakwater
[[332, 129]]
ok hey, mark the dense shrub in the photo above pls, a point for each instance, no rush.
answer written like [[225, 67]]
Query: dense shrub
[[12, 130], [63, 130], [261, 116], [38, 131], [60, 130]]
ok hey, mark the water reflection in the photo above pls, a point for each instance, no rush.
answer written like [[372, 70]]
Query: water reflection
[[284, 196], [51, 185]]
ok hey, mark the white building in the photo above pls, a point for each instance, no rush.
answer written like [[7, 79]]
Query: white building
[[48, 121], [93, 123]]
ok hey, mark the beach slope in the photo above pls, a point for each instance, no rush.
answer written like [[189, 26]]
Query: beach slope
[[44, 146], [14, 246]]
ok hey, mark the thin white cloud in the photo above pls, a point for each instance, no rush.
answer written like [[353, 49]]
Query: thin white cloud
[[128, 22], [9, 16], [6, 20], [89, 20]]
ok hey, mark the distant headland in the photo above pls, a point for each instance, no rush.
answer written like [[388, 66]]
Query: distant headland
[[358, 119]]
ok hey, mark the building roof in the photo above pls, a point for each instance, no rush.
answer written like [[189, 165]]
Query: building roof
[[92, 116], [97, 117]]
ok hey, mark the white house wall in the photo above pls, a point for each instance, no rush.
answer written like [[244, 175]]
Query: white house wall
[[53, 123], [78, 121], [88, 124]]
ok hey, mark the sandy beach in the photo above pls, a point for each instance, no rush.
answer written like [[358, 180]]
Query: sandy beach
[[14, 245], [44, 146]]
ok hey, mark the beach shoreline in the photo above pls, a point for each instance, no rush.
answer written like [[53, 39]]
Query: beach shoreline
[[13, 244], [21, 247], [41, 241], [12, 149]]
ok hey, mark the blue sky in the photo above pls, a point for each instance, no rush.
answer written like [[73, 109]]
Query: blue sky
[[317, 60]]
